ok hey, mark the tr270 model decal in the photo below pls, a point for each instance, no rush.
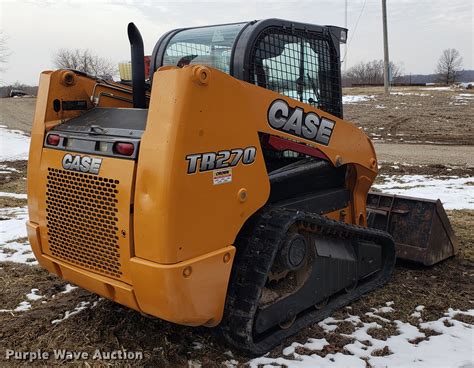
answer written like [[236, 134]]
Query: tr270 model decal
[[219, 160], [296, 122], [82, 163]]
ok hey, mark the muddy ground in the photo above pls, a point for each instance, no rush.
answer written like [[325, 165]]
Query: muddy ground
[[107, 326]]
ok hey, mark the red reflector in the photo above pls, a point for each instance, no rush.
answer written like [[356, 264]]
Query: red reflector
[[281, 144], [53, 139], [124, 148]]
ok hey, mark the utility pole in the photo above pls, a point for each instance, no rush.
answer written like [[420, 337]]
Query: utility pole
[[345, 45], [386, 62]]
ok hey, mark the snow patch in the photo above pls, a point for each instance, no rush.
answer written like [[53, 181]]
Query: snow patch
[[17, 253], [383, 310], [12, 228], [312, 344], [5, 169], [197, 345], [80, 307], [14, 144], [454, 192], [22, 307], [329, 324], [466, 84], [373, 315], [230, 363], [453, 348], [13, 195], [462, 99], [437, 89], [409, 94], [68, 288], [352, 99], [33, 295], [417, 312], [12, 223]]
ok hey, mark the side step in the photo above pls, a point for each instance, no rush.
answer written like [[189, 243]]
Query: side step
[[420, 227]]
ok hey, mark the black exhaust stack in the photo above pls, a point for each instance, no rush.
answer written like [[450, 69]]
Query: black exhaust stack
[[138, 66]]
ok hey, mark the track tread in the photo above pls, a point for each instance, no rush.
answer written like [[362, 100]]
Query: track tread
[[257, 246]]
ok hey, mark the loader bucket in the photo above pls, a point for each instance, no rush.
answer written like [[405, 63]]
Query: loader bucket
[[420, 227]]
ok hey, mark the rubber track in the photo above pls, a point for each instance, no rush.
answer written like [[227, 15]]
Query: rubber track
[[257, 246]]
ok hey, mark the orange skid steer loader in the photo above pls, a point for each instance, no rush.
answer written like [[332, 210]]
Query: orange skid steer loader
[[225, 189]]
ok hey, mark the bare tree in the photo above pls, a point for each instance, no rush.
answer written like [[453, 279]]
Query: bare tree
[[370, 72], [4, 52], [449, 65], [84, 61]]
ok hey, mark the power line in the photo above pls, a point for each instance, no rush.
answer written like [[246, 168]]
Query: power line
[[355, 28], [345, 46]]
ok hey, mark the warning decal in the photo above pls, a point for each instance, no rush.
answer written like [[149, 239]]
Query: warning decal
[[222, 176]]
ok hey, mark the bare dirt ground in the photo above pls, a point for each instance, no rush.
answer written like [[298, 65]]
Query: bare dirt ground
[[425, 154], [104, 325], [414, 115], [17, 113]]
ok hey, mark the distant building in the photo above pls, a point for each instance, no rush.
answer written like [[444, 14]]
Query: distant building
[[17, 93]]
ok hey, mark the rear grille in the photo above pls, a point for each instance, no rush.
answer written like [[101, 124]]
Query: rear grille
[[81, 219]]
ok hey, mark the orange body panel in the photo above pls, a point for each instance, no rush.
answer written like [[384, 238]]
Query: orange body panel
[[59, 85], [185, 215], [177, 251], [121, 171]]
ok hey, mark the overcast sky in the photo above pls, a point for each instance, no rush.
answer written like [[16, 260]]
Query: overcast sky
[[418, 29]]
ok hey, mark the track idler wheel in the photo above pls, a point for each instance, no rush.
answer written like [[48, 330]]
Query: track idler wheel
[[292, 254], [351, 287], [322, 303], [288, 321]]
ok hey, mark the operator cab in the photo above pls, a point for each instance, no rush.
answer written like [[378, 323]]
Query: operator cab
[[298, 60]]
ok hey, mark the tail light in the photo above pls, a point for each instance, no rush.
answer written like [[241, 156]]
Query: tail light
[[53, 139], [124, 148]]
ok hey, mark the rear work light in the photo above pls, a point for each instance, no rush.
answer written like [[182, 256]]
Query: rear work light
[[53, 139], [123, 148]]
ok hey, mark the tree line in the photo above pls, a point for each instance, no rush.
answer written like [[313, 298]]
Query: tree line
[[448, 67], [448, 70], [370, 72]]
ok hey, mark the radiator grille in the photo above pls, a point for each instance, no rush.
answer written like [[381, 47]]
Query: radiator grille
[[81, 219]]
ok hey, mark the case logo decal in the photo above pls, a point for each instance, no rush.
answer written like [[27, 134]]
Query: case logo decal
[[82, 163], [296, 122]]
